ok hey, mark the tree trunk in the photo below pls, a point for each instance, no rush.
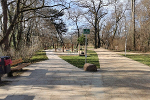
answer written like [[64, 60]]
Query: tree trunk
[[5, 19], [78, 32], [99, 43], [20, 31], [95, 27], [60, 36], [78, 29], [133, 23], [28, 36]]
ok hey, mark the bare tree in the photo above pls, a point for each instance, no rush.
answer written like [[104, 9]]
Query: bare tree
[[75, 15], [95, 14], [21, 6], [23, 25], [133, 23]]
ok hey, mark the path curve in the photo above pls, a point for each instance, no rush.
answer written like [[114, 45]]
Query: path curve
[[53, 79]]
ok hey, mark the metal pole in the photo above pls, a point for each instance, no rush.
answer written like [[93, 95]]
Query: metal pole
[[125, 45], [85, 48], [79, 49], [126, 37]]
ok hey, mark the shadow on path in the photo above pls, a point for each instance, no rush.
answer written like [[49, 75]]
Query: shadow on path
[[123, 77], [18, 97]]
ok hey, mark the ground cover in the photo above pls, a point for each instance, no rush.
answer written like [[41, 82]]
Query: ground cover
[[79, 61], [38, 56], [142, 58]]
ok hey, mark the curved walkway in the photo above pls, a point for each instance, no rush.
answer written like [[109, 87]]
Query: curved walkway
[[53, 79], [123, 78], [119, 78]]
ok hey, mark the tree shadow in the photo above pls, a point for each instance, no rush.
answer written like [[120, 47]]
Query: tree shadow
[[56, 72], [123, 77], [18, 97]]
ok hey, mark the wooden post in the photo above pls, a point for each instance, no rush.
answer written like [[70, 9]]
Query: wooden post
[[85, 50], [79, 48], [55, 48], [57, 44], [72, 47], [2, 67], [63, 48], [0, 78]]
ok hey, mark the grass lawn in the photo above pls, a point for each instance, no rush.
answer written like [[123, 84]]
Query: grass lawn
[[79, 61], [90, 47], [142, 58], [38, 56]]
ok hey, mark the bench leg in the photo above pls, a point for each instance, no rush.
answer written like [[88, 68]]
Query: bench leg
[[0, 78], [10, 74]]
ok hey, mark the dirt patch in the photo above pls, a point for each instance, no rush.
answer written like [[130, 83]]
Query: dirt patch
[[18, 73]]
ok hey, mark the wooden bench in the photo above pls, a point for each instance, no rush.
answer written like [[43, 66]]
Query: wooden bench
[[18, 65]]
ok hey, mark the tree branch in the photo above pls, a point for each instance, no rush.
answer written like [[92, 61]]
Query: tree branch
[[30, 9]]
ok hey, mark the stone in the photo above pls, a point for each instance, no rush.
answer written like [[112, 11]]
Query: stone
[[90, 67]]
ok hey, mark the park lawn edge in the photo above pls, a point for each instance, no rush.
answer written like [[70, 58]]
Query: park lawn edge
[[37, 57], [79, 61], [142, 58]]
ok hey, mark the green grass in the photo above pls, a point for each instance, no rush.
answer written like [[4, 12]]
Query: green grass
[[79, 61], [38, 56], [90, 47], [142, 58]]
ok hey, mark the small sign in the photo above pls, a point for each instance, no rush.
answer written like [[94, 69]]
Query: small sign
[[85, 55], [86, 31]]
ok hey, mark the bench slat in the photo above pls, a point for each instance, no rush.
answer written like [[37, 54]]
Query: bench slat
[[15, 62], [19, 67]]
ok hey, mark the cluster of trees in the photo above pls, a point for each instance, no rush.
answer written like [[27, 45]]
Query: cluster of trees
[[93, 12], [129, 21], [29, 25], [113, 21]]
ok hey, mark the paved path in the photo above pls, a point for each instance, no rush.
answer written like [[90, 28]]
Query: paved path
[[120, 78], [53, 79], [123, 78]]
